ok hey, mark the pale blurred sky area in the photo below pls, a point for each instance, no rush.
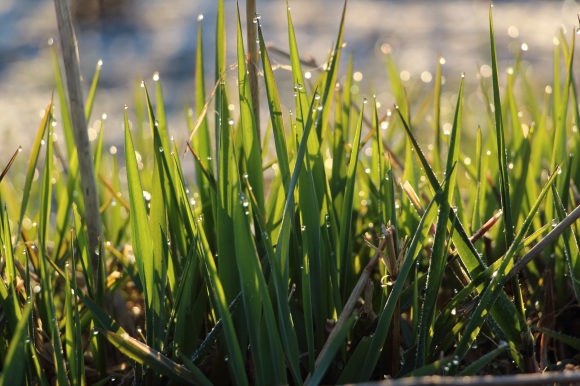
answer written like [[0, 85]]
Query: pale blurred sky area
[[135, 38]]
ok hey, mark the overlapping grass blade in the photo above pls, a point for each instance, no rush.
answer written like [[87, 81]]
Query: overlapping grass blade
[[438, 260], [495, 288]]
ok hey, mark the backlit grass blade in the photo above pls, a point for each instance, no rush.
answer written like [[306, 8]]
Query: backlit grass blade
[[561, 110], [73, 338], [33, 161], [436, 156], [142, 242], [329, 86], [438, 260], [502, 159], [500, 140], [93, 91], [495, 288], [48, 313], [146, 356], [511, 321], [14, 362], [346, 264], [250, 138], [64, 112], [275, 114]]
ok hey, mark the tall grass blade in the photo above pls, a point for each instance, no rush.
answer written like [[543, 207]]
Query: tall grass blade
[[438, 260], [14, 365]]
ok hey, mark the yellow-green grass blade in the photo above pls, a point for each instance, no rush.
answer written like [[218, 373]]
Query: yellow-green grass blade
[[73, 339], [201, 142], [346, 267], [48, 313], [438, 260], [559, 153], [14, 366], [220, 69], [436, 156], [227, 179], [33, 161], [275, 115], [93, 92], [500, 141], [65, 115], [8, 293], [304, 114], [328, 86], [495, 288], [250, 139], [309, 187], [140, 231], [83, 249], [155, 360]]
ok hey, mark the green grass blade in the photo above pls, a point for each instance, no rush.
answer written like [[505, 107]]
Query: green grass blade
[[491, 293], [386, 315], [14, 365], [250, 139], [346, 264], [438, 260], [142, 242], [92, 92], [275, 114]]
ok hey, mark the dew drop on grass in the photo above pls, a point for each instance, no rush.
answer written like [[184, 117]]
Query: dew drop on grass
[[155, 76], [554, 223], [200, 17], [327, 219], [142, 83], [50, 41], [303, 228], [316, 96], [226, 358], [160, 149], [455, 360]]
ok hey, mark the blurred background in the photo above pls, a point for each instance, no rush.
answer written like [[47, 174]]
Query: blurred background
[[135, 38]]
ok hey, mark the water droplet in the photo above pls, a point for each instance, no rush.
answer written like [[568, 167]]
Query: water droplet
[[327, 219], [554, 223], [155, 76], [303, 228], [160, 149], [226, 358], [200, 17], [455, 360], [316, 96]]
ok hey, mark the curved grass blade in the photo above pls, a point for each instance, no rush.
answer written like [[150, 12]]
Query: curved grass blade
[[146, 356]]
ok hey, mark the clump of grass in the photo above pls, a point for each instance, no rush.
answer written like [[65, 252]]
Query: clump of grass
[[262, 266]]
